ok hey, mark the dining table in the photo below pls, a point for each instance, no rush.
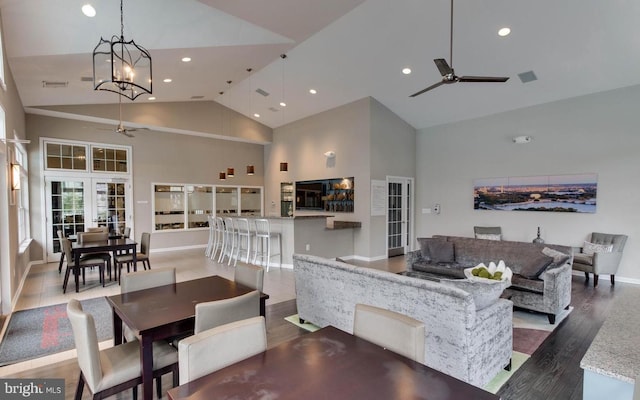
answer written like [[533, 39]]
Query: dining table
[[328, 364], [113, 245], [168, 311]]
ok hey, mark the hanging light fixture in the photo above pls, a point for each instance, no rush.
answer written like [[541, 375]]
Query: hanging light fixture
[[230, 173], [222, 176], [283, 103], [251, 170], [122, 67], [284, 167]]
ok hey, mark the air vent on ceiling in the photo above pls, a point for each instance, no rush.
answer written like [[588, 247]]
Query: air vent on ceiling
[[528, 76], [197, 97], [273, 109], [86, 79], [54, 85], [262, 92]]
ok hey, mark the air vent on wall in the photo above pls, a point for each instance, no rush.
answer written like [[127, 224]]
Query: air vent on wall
[[197, 97], [528, 76], [86, 79], [262, 92], [54, 85]]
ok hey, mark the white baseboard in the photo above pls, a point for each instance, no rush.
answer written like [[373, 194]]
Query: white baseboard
[[619, 278], [169, 249], [368, 259]]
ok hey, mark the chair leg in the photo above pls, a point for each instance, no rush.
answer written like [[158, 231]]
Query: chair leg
[[586, 277], [135, 393], [60, 264], [66, 279], [80, 387], [595, 280], [159, 386], [613, 280]]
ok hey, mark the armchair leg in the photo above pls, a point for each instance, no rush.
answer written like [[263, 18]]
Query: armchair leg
[[508, 366], [595, 280], [613, 280], [586, 277], [552, 318]]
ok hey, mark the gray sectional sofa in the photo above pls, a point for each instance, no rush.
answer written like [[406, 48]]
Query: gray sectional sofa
[[541, 272], [468, 333]]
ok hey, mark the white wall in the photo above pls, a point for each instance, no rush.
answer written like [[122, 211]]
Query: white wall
[[589, 134]]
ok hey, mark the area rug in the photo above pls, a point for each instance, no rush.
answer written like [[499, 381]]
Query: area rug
[[529, 331], [38, 332]]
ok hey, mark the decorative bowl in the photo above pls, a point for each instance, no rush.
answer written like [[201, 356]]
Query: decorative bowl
[[506, 277]]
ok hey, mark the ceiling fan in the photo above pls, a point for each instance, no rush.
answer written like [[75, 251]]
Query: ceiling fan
[[446, 69], [120, 128]]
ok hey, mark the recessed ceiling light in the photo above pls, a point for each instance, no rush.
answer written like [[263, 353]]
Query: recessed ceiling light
[[256, 115], [283, 104], [504, 31], [313, 91], [406, 71], [88, 10], [167, 80], [186, 59], [151, 98]]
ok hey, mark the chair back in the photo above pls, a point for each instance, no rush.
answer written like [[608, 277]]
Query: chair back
[[66, 248], [263, 229], [145, 243], [229, 225], [618, 241], [214, 349], [147, 279], [219, 224], [99, 229], [211, 314], [394, 331], [242, 225], [60, 233], [86, 338], [249, 275], [86, 237], [127, 232]]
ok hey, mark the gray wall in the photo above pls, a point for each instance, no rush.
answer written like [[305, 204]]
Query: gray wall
[[370, 142], [590, 134], [158, 157]]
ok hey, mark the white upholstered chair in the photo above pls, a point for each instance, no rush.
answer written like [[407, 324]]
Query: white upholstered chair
[[391, 330], [597, 262], [211, 314], [113, 370], [216, 348], [249, 275]]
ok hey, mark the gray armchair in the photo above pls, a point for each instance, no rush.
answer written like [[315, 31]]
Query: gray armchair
[[601, 262]]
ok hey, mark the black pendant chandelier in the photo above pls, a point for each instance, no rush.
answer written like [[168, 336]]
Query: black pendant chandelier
[[122, 67]]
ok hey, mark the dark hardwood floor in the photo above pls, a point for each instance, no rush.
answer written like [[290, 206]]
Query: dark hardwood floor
[[553, 372]]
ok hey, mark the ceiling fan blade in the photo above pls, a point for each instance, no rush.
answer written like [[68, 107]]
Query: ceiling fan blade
[[435, 85], [126, 133], [483, 79], [443, 66]]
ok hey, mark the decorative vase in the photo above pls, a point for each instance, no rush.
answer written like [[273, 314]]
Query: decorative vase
[[538, 239]]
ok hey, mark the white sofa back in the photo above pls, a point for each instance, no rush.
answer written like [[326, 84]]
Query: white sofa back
[[470, 345]]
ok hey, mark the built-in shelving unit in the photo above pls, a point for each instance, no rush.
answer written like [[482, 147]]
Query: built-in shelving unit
[[286, 199]]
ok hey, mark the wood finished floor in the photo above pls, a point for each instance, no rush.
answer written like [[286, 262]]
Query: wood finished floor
[[553, 372]]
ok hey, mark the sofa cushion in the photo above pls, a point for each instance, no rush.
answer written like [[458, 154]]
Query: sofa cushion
[[583, 259], [530, 285], [441, 251], [590, 248], [559, 257], [424, 248], [452, 269], [484, 294], [533, 266]]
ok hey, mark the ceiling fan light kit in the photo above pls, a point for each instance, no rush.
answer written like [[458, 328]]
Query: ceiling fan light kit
[[447, 72]]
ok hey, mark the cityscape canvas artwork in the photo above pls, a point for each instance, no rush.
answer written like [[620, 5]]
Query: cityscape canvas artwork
[[559, 193]]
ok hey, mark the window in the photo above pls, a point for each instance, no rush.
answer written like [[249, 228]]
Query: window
[[66, 156], [2, 78], [109, 159], [22, 197], [200, 203]]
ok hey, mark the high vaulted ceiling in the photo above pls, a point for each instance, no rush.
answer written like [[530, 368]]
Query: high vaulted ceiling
[[345, 49]]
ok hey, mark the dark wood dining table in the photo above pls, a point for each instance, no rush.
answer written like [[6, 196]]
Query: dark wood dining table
[[167, 311], [328, 364], [111, 245]]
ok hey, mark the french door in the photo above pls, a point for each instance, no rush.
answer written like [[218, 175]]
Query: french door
[[74, 204], [399, 215]]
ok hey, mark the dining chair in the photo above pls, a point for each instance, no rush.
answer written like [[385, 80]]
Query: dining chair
[[127, 232], [249, 275], [264, 246], [211, 314], [98, 229], [397, 332], [115, 369], [96, 236], [142, 256], [84, 263], [216, 348]]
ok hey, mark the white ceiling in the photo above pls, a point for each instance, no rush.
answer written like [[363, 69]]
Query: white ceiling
[[346, 49]]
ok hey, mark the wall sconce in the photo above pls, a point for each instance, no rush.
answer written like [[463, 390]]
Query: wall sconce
[[15, 177], [222, 176], [250, 170], [284, 167], [229, 172]]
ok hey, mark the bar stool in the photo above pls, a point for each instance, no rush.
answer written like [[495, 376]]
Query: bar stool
[[212, 236], [243, 232], [219, 239], [264, 237], [229, 241]]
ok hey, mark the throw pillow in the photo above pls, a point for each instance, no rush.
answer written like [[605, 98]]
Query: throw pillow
[[533, 268], [558, 256], [424, 248], [484, 294], [489, 236], [590, 248], [441, 251]]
